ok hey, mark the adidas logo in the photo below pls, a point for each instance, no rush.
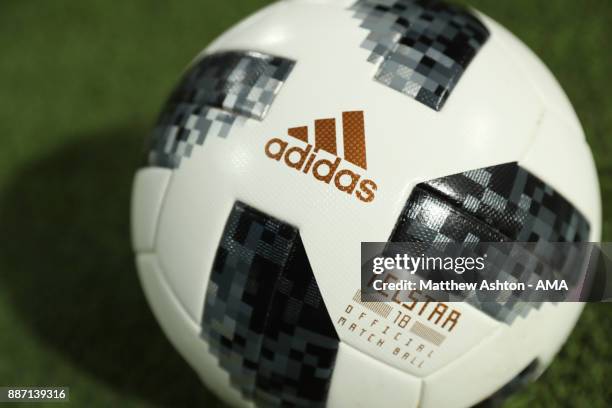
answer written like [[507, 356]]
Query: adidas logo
[[328, 167]]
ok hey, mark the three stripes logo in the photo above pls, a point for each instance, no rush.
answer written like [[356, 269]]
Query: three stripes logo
[[327, 167]]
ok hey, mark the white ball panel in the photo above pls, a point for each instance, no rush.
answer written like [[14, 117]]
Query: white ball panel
[[498, 358], [359, 381], [557, 325], [183, 332], [560, 157], [190, 230], [538, 75], [148, 191]]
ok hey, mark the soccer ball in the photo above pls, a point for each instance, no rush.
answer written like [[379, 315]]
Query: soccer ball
[[313, 126]]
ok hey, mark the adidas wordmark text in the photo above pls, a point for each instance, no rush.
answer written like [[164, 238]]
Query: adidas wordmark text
[[327, 166]]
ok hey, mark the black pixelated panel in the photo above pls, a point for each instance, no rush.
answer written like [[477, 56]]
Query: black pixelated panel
[[216, 92], [428, 218], [264, 317], [502, 203], [515, 202], [422, 47]]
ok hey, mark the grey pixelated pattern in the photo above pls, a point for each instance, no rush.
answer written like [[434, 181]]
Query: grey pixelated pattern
[[216, 93], [421, 47], [264, 317], [515, 202], [502, 203]]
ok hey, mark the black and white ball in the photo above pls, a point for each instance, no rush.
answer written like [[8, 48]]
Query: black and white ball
[[315, 125]]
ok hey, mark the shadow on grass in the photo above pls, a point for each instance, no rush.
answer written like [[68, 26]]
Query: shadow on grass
[[66, 261]]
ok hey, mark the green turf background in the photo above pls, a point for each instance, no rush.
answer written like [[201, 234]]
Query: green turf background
[[80, 84]]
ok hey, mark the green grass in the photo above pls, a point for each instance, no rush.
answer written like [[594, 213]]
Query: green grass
[[81, 83]]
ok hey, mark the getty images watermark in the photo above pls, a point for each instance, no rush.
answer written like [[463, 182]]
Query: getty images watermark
[[500, 273]]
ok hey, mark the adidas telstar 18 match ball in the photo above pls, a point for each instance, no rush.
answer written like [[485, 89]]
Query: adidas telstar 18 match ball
[[313, 126]]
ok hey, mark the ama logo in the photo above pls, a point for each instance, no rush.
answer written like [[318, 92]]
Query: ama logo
[[327, 167]]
